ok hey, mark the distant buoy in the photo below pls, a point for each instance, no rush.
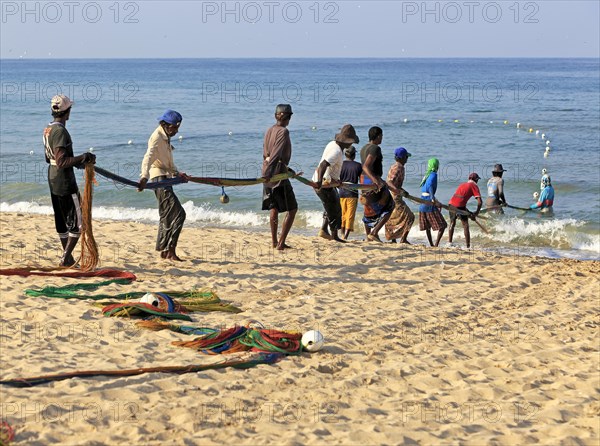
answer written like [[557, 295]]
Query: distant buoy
[[471, 122], [91, 149], [491, 122], [230, 133], [530, 130], [546, 154], [439, 120], [314, 127], [31, 152], [547, 148], [518, 125], [536, 195], [544, 171], [180, 137], [405, 120], [505, 122], [456, 121], [130, 142], [537, 132], [547, 142], [543, 136]]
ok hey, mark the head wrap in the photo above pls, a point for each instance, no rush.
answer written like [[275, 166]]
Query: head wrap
[[432, 166]]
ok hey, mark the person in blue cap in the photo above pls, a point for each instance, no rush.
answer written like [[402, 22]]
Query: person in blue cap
[[546, 198], [158, 165], [402, 218]]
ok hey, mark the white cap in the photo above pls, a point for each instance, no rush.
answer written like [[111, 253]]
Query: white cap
[[61, 103]]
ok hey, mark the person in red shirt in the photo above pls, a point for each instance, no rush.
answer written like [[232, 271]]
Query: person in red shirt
[[459, 200]]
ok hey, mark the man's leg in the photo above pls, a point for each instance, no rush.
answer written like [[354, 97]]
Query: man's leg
[[467, 232], [274, 223], [428, 232], [285, 229], [451, 228], [439, 237], [177, 218]]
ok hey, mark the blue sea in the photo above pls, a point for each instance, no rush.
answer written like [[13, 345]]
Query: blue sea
[[469, 113]]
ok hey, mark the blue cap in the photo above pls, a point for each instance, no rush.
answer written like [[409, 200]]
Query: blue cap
[[170, 117], [401, 152]]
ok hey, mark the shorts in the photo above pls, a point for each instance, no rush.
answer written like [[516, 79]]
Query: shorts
[[349, 206], [432, 220], [281, 198], [463, 218]]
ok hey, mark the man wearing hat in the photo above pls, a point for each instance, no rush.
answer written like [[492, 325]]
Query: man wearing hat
[[327, 176], [351, 171], [402, 218], [279, 196], [495, 186], [158, 165], [64, 193], [459, 200]]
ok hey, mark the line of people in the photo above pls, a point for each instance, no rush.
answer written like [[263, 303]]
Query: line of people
[[384, 206]]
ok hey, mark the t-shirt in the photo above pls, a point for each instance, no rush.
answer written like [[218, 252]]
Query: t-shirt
[[333, 155], [374, 150], [351, 171], [61, 181], [428, 191], [463, 193], [277, 151], [495, 187]]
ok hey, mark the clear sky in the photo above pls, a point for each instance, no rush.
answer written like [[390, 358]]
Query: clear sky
[[200, 29]]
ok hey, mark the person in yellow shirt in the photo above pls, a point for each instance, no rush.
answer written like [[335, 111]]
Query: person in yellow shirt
[[158, 165]]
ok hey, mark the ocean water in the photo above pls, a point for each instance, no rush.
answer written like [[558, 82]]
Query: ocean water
[[462, 111]]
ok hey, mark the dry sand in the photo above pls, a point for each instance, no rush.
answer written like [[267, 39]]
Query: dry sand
[[423, 346]]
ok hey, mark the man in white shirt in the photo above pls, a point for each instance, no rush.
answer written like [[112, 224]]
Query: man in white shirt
[[158, 165], [327, 177]]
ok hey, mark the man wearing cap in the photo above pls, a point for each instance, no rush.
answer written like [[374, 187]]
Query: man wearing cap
[[495, 186], [350, 173], [279, 196], [459, 200], [64, 193], [327, 176], [158, 165], [402, 218], [377, 204]]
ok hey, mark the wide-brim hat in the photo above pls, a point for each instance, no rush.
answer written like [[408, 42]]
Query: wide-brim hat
[[347, 135], [498, 168]]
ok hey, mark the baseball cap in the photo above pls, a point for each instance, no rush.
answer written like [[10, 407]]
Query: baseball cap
[[60, 103], [284, 108], [171, 117], [401, 152], [473, 176]]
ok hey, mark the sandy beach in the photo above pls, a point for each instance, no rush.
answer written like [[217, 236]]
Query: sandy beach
[[423, 346]]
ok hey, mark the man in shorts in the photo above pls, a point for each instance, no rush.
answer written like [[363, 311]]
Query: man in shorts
[[459, 201], [279, 196], [64, 193]]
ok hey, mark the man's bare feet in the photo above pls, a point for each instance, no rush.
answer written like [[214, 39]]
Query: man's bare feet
[[163, 254], [324, 234], [374, 238], [283, 246]]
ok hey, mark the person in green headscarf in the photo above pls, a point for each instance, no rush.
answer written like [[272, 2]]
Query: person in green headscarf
[[430, 216]]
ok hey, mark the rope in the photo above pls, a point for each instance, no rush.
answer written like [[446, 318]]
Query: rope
[[243, 362], [89, 249], [65, 272], [154, 185]]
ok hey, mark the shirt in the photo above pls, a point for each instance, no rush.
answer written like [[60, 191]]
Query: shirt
[[61, 180], [546, 199], [396, 175], [158, 160], [375, 151], [351, 171], [428, 191], [333, 155], [495, 187], [277, 151], [463, 193]]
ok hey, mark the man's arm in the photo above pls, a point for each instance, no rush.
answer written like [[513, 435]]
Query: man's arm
[[368, 171], [63, 161], [501, 198], [321, 172], [149, 158]]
